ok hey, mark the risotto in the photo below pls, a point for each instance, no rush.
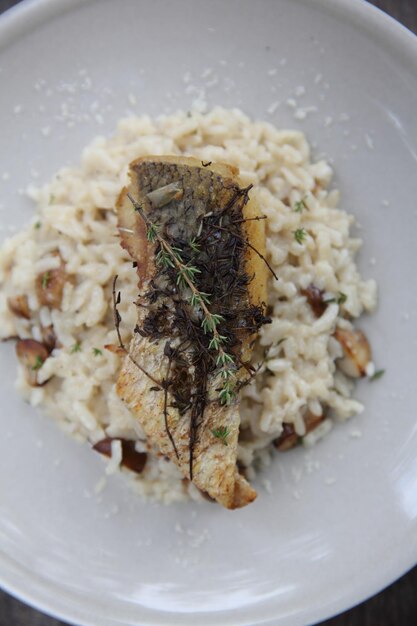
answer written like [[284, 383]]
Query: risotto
[[308, 351]]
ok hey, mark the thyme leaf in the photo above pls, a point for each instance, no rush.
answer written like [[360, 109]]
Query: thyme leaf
[[339, 299], [152, 232], [378, 374], [186, 274], [45, 279], [300, 205], [197, 298], [38, 363], [194, 246], [222, 433], [76, 347], [300, 235]]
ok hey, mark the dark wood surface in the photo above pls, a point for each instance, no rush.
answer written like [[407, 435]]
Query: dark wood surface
[[396, 605]]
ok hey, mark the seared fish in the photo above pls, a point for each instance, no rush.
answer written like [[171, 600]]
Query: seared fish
[[198, 242]]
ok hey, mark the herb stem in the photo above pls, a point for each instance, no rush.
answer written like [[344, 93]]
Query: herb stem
[[260, 255], [211, 321], [117, 320]]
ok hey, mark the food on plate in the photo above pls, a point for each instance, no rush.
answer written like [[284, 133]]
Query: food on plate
[[202, 279], [236, 302]]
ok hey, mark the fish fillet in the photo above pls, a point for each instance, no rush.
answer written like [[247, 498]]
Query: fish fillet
[[170, 380]]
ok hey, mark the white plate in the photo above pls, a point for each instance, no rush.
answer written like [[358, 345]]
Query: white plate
[[311, 549]]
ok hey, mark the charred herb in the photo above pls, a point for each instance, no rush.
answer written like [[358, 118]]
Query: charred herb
[[117, 297], [198, 300], [170, 256]]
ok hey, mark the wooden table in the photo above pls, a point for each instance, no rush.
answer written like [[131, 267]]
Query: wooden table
[[397, 605]]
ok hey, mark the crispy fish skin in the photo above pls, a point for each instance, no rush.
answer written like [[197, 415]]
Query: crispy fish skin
[[204, 189]]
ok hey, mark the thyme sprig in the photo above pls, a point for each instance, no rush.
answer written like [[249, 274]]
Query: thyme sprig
[[171, 257]]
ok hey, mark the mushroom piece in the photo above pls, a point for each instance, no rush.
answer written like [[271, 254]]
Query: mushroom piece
[[19, 306], [289, 439], [131, 458], [48, 337], [357, 352], [50, 286], [32, 355], [311, 421], [314, 297]]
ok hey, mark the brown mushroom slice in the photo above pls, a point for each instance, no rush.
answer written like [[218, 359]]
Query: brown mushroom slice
[[48, 337], [131, 458], [19, 306], [32, 355], [289, 439], [311, 420], [314, 297], [357, 352], [50, 286]]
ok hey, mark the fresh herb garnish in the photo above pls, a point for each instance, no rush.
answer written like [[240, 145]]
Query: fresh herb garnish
[[45, 279], [170, 256], [194, 246], [97, 352], [197, 298], [186, 274], [152, 232], [208, 327], [340, 299], [37, 225], [222, 433], [76, 347], [378, 374], [300, 205], [300, 235], [38, 363]]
